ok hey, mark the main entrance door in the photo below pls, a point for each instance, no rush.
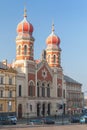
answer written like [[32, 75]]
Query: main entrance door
[[20, 111]]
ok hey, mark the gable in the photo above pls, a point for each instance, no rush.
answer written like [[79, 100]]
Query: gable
[[44, 72]]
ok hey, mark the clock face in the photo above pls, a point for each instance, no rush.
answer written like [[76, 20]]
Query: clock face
[[44, 73]]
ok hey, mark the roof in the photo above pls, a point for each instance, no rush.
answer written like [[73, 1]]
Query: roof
[[70, 80]]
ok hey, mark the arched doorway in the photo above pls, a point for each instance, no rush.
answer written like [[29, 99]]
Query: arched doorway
[[38, 109], [20, 111]]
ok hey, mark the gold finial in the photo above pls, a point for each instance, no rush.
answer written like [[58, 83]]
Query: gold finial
[[53, 27], [25, 12]]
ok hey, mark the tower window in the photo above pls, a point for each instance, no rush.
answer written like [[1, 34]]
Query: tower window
[[49, 59], [31, 50], [25, 50], [19, 50], [54, 59]]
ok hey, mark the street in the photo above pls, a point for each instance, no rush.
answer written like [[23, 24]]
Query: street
[[49, 127]]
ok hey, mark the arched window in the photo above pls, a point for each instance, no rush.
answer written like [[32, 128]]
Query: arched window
[[38, 90], [30, 89], [43, 90], [20, 89], [48, 90], [19, 50], [25, 50], [31, 50], [59, 91], [49, 59], [54, 59]]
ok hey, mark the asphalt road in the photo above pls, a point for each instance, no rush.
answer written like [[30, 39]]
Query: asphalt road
[[48, 127]]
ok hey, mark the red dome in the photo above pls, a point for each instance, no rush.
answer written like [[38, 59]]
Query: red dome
[[25, 26], [53, 39]]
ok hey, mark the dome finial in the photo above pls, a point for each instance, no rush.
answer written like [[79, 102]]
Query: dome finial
[[53, 27], [25, 12]]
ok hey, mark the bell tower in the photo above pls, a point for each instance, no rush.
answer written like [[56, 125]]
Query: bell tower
[[53, 50], [24, 40]]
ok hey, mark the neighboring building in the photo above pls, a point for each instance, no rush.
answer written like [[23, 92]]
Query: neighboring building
[[39, 82], [7, 90], [85, 102], [74, 95]]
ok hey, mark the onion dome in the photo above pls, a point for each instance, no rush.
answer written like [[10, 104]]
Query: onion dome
[[52, 38], [24, 26]]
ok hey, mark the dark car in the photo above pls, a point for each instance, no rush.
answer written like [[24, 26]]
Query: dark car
[[5, 120], [35, 121], [48, 121], [75, 120]]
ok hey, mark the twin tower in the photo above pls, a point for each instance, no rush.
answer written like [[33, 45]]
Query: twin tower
[[25, 44]]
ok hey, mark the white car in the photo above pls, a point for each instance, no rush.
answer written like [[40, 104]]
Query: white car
[[13, 119], [83, 119]]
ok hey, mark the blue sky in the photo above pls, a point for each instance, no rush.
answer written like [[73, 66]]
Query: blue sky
[[70, 20]]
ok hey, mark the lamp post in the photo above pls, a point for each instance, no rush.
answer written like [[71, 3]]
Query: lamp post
[[62, 113], [27, 113]]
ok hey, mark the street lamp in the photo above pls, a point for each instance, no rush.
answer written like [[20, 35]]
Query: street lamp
[[27, 113]]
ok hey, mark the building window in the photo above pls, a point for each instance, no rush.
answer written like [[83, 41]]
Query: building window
[[1, 80], [1, 107], [54, 59], [20, 90], [31, 50], [64, 93], [38, 91], [48, 92], [30, 91], [30, 107], [10, 81], [1, 93], [49, 59], [25, 50], [43, 92], [10, 94], [59, 92], [19, 50], [9, 106]]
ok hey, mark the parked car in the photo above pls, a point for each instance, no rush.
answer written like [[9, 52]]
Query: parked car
[[4, 120], [8, 120], [35, 121], [12, 119], [48, 121], [83, 119], [75, 120]]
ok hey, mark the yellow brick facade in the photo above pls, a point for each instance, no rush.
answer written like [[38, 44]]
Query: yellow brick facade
[[7, 91]]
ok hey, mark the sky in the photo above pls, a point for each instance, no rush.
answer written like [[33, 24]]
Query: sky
[[70, 23]]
